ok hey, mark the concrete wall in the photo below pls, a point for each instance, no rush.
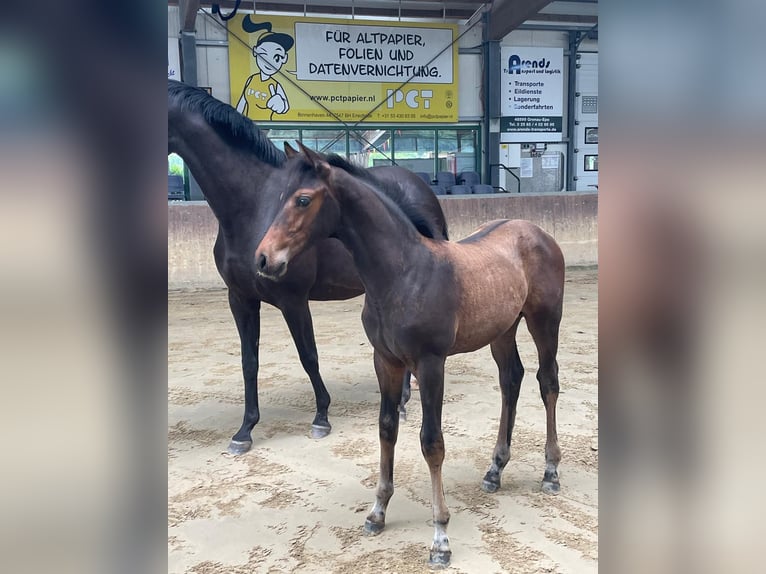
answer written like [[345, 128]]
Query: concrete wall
[[192, 229], [570, 217]]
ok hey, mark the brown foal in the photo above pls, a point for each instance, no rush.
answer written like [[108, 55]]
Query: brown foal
[[427, 299]]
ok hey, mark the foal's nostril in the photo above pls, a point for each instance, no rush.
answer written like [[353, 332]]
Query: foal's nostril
[[261, 263]]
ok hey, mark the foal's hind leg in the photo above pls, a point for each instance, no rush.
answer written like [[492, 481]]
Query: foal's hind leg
[[506, 355], [544, 328]]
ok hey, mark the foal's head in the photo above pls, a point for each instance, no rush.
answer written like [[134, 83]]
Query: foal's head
[[309, 211]]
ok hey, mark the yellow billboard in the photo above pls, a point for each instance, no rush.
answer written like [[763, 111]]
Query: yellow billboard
[[299, 69]]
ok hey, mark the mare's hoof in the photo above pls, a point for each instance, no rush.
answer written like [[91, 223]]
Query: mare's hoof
[[551, 487], [240, 446], [320, 431], [489, 486], [439, 558], [373, 528]]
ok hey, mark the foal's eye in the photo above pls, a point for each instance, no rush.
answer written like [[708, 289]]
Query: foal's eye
[[303, 201]]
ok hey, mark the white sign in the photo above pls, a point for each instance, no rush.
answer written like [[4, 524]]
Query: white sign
[[338, 52], [550, 161], [174, 61], [527, 167], [532, 94]]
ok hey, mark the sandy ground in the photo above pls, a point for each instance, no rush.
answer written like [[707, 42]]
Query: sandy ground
[[294, 504]]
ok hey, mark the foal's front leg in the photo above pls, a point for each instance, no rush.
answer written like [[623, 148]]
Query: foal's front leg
[[431, 378], [390, 378]]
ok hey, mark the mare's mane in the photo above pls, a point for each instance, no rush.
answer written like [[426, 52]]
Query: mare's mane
[[235, 128], [392, 195], [244, 134]]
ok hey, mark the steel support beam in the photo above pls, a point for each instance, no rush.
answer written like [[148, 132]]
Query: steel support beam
[[188, 37], [188, 11], [574, 42], [189, 58], [492, 89], [507, 15]]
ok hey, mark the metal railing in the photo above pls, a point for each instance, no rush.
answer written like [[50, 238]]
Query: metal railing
[[506, 168]]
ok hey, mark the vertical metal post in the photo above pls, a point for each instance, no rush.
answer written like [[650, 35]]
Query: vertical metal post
[[393, 146], [189, 76], [348, 144], [492, 89], [189, 57], [571, 184]]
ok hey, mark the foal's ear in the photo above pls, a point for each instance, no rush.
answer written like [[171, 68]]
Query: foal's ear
[[310, 154], [321, 167], [290, 151]]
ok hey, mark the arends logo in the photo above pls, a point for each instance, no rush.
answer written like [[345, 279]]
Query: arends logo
[[516, 65]]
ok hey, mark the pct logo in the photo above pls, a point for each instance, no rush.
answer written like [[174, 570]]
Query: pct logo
[[516, 64], [410, 98]]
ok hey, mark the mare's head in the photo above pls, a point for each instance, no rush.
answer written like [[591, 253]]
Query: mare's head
[[309, 210]]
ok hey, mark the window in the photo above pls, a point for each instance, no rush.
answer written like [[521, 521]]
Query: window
[[417, 148], [457, 150], [414, 150], [325, 141], [175, 177], [374, 147], [279, 137]]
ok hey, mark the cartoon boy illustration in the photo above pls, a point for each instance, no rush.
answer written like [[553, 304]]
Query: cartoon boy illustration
[[263, 95]]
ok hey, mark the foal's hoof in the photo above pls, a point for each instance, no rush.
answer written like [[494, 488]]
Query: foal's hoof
[[489, 486], [551, 482], [551, 487], [491, 482], [439, 558], [318, 431], [373, 528], [240, 446]]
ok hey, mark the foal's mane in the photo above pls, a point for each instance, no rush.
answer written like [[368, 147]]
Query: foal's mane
[[235, 128], [390, 194]]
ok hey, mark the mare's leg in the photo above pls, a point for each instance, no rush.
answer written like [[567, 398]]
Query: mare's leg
[[247, 316], [506, 355], [390, 376], [430, 372], [544, 328], [298, 318], [406, 393]]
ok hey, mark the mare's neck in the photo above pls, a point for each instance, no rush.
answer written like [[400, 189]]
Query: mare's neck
[[383, 243], [230, 177]]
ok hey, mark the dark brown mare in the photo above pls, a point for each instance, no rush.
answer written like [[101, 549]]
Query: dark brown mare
[[230, 159], [427, 299]]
